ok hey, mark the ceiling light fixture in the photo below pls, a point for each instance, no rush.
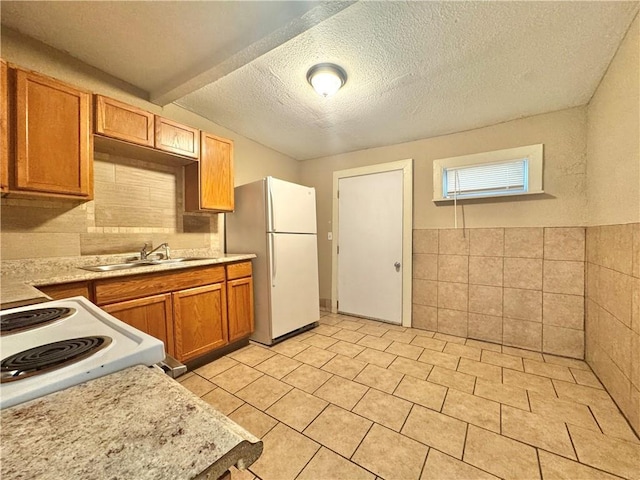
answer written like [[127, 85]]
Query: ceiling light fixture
[[326, 78]]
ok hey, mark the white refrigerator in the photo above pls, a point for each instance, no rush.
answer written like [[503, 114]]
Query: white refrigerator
[[276, 220]]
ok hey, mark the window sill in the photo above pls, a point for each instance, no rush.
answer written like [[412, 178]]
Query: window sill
[[481, 197]]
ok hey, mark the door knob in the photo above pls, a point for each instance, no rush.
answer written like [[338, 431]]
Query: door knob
[[397, 265]]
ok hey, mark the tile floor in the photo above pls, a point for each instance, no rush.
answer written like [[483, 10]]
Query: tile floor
[[358, 399]]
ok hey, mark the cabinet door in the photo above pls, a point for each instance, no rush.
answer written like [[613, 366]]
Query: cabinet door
[[4, 133], [151, 315], [200, 320], [176, 138], [118, 120], [54, 148], [240, 301], [209, 184]]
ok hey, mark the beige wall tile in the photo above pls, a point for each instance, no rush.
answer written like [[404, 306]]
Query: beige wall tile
[[523, 242], [523, 304], [523, 273], [454, 296], [105, 243], [615, 294], [564, 244], [453, 322], [424, 317], [635, 305], [453, 268], [39, 245], [425, 292], [616, 247], [453, 241], [485, 327], [563, 341], [485, 300], [486, 271], [487, 242], [425, 266], [425, 241], [522, 334], [564, 277], [592, 277], [563, 310], [616, 341], [65, 219], [592, 240]]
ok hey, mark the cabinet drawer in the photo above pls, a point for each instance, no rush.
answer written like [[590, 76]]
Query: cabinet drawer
[[238, 270], [119, 120], [177, 138], [66, 290], [137, 286]]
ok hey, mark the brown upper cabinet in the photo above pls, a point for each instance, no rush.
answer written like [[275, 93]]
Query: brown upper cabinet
[[176, 138], [209, 184], [118, 120], [50, 141], [4, 133]]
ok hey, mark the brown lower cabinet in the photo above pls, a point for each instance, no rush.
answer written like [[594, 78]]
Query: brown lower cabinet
[[152, 315], [193, 311], [200, 320]]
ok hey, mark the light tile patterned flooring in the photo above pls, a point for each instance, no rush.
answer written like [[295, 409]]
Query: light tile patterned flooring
[[358, 399]]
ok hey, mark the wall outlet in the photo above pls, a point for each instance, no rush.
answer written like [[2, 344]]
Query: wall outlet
[[330, 236]]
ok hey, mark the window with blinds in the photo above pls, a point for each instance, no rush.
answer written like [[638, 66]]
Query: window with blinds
[[484, 180], [513, 171]]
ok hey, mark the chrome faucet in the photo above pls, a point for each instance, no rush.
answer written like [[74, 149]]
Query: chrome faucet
[[144, 254]]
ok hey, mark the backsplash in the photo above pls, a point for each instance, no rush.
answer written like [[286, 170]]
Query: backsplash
[[135, 202], [520, 287], [613, 313]]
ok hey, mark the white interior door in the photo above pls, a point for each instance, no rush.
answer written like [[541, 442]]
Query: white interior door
[[370, 225]]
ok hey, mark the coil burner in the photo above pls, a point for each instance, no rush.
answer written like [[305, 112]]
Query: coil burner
[[28, 319], [52, 356]]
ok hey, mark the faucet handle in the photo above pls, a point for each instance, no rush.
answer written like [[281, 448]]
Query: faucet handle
[[143, 252]]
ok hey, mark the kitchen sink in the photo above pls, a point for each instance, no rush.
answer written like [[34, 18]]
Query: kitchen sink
[[140, 263]]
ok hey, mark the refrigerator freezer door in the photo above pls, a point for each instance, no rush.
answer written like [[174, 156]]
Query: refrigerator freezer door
[[291, 208], [293, 277]]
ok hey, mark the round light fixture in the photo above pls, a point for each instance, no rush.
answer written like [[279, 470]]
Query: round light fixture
[[326, 78]]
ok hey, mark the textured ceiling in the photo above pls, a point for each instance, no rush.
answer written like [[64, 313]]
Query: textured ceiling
[[416, 69]]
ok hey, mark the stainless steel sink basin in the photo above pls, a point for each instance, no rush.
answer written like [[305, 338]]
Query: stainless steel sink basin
[[140, 263]]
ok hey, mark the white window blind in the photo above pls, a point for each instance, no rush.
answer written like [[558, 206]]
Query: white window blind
[[488, 179]]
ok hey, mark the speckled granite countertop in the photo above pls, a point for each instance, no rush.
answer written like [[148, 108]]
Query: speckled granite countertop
[[19, 278], [134, 424]]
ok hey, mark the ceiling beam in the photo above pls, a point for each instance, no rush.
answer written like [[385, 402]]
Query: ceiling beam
[[193, 80]]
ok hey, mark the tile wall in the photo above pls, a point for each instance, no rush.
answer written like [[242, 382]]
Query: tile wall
[[520, 287], [613, 313], [135, 202]]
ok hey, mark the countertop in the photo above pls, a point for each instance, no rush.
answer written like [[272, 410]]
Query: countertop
[[18, 283], [134, 424]]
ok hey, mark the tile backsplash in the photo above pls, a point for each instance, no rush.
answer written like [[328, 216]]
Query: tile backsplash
[[135, 202], [520, 287]]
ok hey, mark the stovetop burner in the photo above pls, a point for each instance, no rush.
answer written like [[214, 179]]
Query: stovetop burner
[[44, 358], [28, 319]]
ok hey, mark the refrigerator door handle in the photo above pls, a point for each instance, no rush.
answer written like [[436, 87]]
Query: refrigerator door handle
[[272, 226], [273, 262]]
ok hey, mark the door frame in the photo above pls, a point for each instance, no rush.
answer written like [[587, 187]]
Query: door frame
[[407, 229]]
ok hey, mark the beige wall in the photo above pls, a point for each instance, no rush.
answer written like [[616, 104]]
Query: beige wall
[[105, 225], [563, 134], [613, 144]]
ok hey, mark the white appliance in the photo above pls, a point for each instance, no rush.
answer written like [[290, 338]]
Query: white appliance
[[277, 221], [54, 345]]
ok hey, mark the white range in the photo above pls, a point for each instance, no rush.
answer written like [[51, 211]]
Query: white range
[[54, 345]]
